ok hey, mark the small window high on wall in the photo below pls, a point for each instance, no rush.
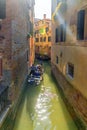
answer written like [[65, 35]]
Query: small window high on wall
[[80, 24], [70, 70]]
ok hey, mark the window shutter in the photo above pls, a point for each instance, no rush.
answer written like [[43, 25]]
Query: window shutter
[[80, 25], [61, 32], [56, 35]]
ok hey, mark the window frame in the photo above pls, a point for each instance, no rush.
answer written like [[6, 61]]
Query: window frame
[[36, 39], [70, 74], [57, 60], [47, 29], [41, 39], [81, 24], [44, 39], [49, 38], [56, 35]]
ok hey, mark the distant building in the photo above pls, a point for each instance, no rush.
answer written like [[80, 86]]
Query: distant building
[[36, 19], [14, 48], [42, 35], [69, 52]]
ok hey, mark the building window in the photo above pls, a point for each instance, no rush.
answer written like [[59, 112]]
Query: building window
[[62, 32], [80, 25], [44, 39], [47, 29], [57, 59], [49, 39], [37, 39], [56, 35], [70, 70], [37, 31], [41, 39]]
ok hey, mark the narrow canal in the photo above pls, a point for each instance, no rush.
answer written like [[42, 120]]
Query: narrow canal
[[42, 107]]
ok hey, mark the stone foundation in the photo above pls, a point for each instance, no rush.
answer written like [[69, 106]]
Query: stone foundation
[[74, 100]]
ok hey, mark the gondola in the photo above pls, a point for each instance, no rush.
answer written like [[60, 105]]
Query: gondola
[[36, 75]]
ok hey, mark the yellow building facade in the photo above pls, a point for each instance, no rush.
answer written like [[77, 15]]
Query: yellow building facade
[[69, 52], [42, 34]]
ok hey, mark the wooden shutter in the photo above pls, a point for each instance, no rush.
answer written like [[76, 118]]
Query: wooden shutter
[[56, 35], [80, 25], [61, 33]]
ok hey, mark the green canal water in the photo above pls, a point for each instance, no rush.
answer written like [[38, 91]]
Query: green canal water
[[42, 107]]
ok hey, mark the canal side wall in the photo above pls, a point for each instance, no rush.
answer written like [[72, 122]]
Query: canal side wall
[[74, 100], [9, 120]]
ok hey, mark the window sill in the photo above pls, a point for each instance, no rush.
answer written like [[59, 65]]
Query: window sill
[[70, 77]]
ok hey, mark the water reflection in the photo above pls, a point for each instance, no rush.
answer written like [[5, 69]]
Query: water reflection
[[43, 108]]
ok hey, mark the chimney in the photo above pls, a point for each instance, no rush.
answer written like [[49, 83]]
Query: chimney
[[44, 16]]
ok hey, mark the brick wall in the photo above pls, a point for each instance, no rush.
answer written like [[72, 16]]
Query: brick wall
[[14, 44]]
